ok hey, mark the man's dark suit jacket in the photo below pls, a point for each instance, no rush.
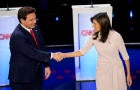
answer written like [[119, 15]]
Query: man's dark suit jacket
[[26, 58]]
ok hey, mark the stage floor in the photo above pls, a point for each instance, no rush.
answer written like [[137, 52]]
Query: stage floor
[[80, 85]]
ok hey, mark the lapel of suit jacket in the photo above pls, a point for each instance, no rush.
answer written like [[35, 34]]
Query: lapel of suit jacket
[[28, 35]]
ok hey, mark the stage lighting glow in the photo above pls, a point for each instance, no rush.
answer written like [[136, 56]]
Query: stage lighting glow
[[131, 14], [56, 18]]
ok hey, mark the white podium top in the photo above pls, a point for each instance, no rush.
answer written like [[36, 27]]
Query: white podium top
[[90, 6], [9, 11]]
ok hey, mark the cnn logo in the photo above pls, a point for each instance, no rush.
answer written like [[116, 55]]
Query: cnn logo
[[5, 36], [86, 32]]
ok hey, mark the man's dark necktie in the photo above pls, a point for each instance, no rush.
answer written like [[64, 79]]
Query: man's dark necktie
[[33, 36]]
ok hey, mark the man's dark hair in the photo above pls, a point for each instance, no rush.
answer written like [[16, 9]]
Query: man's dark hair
[[24, 11]]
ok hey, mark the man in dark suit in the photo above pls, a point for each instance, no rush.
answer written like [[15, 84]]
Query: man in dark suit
[[27, 54]]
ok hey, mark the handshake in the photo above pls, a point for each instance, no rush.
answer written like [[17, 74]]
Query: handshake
[[58, 56]]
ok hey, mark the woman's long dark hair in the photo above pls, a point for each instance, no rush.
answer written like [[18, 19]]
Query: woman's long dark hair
[[103, 20]]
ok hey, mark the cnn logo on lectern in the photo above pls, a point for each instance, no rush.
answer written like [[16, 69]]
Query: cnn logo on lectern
[[5, 36], [86, 32]]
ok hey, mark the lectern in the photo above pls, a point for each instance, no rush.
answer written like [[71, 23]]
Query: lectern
[[8, 22], [85, 66]]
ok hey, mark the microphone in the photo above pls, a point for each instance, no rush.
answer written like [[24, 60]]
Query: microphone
[[91, 4], [37, 28], [8, 6]]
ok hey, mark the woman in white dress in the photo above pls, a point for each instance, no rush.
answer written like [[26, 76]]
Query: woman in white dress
[[110, 74]]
